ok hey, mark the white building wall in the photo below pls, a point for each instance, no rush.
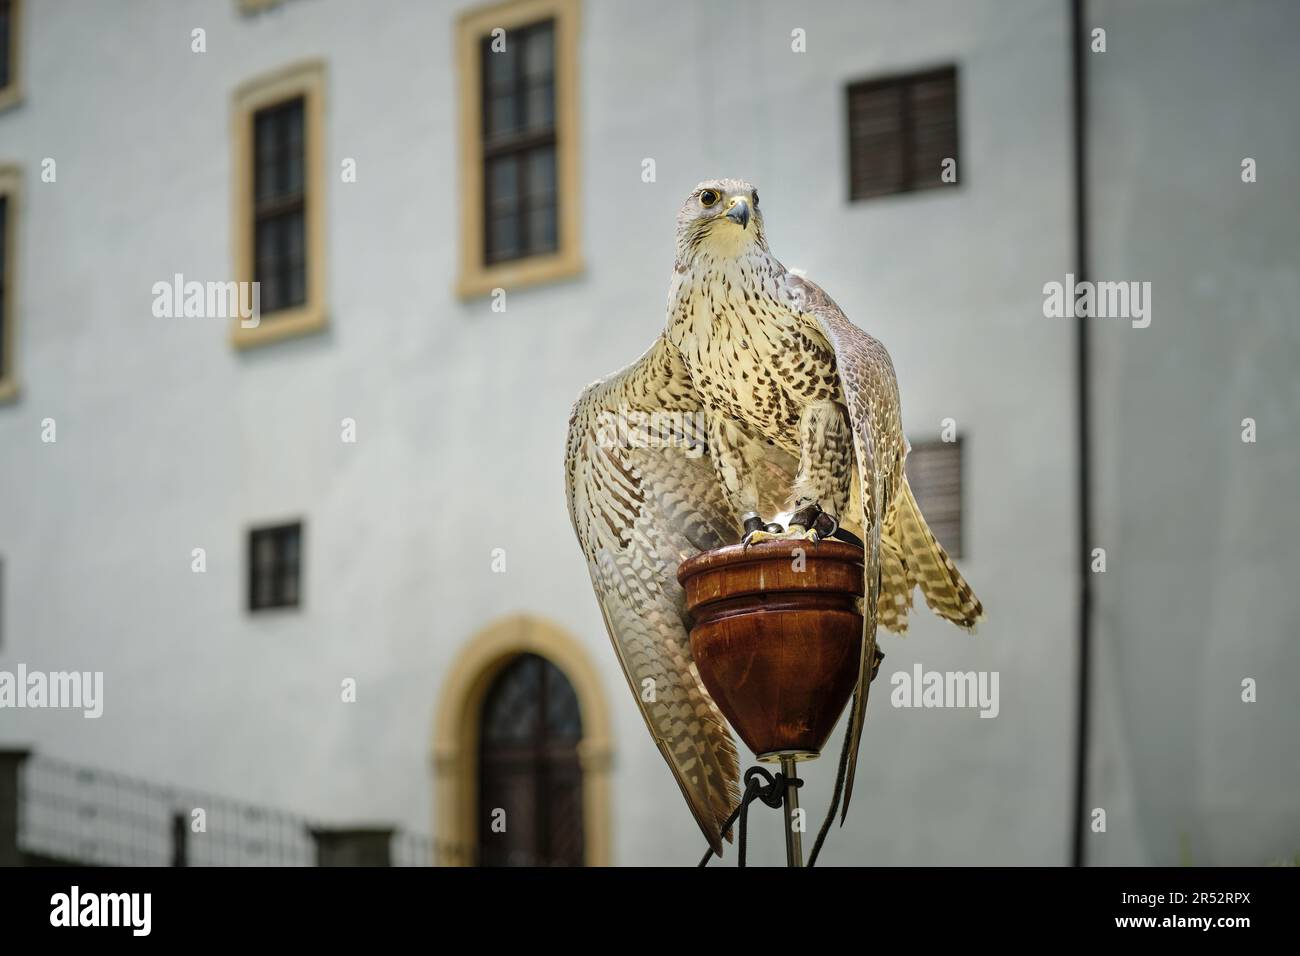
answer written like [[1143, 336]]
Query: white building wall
[[1200, 528], [169, 439]]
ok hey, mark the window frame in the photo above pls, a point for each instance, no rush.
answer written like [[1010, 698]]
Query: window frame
[[11, 190], [906, 80], [476, 276], [456, 727], [11, 94], [304, 80]]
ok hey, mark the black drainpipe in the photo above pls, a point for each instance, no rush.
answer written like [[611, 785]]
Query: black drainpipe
[[1078, 52]]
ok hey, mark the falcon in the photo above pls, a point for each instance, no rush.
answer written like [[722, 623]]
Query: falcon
[[758, 399]]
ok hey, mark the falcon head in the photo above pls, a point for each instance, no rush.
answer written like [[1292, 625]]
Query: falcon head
[[721, 219]]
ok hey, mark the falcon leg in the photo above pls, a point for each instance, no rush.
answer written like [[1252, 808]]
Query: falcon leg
[[732, 450], [823, 486], [818, 522]]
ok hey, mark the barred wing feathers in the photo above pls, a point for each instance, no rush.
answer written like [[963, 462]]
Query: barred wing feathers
[[638, 513]]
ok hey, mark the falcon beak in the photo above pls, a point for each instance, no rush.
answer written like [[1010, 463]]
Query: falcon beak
[[738, 212]]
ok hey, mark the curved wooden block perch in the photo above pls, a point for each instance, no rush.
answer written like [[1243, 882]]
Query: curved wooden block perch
[[777, 638]]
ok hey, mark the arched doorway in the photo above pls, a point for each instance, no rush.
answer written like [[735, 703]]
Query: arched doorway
[[530, 776], [511, 706]]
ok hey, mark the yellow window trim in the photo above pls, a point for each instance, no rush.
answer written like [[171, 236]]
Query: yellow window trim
[[477, 278], [308, 81], [12, 93], [11, 189], [456, 733]]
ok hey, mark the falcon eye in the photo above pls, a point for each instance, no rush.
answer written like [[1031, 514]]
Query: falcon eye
[[709, 198], [755, 194]]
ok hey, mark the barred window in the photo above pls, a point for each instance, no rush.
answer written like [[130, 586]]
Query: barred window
[[901, 129], [4, 276], [275, 567], [519, 177], [280, 204], [517, 85], [10, 207], [529, 732], [934, 472], [7, 38], [10, 30], [278, 150]]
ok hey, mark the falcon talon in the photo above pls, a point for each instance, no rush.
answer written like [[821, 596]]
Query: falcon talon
[[758, 537]]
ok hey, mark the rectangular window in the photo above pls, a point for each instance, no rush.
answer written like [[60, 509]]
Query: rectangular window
[[4, 262], [518, 75], [10, 38], [519, 144], [6, 38], [9, 199], [275, 567], [901, 130], [279, 206], [279, 226], [934, 472]]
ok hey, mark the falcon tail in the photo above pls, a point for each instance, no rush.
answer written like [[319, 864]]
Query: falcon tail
[[928, 565]]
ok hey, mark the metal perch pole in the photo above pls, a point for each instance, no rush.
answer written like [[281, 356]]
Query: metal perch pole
[[793, 837]]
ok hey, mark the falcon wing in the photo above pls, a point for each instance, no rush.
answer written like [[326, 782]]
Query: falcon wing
[[639, 512], [902, 552], [871, 396]]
